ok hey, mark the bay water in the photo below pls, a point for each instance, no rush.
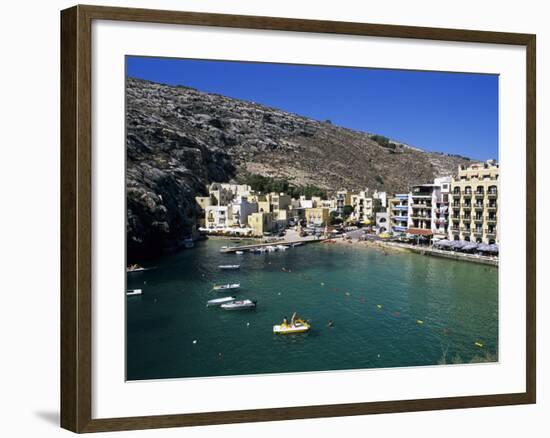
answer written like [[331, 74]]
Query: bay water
[[388, 309]]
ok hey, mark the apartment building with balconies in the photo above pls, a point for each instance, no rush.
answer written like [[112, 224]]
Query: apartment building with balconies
[[474, 203], [398, 213], [364, 207], [440, 224]]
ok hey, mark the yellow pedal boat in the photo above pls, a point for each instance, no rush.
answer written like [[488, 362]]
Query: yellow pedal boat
[[295, 326]]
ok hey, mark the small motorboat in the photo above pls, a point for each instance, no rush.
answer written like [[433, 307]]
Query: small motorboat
[[239, 252], [227, 267], [239, 305], [227, 286], [219, 301], [136, 268], [132, 292], [282, 247], [296, 325]]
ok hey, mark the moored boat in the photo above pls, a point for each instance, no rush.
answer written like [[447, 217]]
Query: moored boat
[[227, 286], [132, 292], [136, 268], [227, 267], [240, 305], [239, 252], [219, 301]]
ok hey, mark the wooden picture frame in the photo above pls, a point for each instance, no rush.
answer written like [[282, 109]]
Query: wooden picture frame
[[76, 217]]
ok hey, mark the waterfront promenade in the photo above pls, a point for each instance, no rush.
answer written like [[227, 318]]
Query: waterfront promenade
[[433, 252]]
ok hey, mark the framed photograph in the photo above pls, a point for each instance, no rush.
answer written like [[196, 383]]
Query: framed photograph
[[269, 218]]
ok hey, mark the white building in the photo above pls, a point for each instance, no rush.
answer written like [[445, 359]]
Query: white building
[[383, 197], [241, 209], [216, 216], [382, 222], [364, 206]]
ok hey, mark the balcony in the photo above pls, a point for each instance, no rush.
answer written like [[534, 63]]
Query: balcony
[[466, 218], [491, 232], [399, 228], [478, 219], [401, 207], [456, 194], [423, 206], [467, 194], [491, 220], [492, 195], [478, 206], [467, 206], [465, 229], [478, 232], [492, 207]]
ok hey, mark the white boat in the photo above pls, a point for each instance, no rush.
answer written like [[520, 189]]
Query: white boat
[[270, 248], [132, 292], [136, 268], [219, 301], [239, 252], [229, 266], [239, 305], [282, 247], [227, 286]]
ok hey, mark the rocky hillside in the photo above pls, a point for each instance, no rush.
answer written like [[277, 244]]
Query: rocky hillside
[[179, 139]]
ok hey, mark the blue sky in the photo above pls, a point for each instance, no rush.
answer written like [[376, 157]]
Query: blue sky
[[446, 112]]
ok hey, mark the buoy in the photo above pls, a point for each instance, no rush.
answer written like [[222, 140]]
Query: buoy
[[478, 344], [194, 341], [348, 294], [379, 306], [322, 284], [378, 356], [419, 321], [248, 324]]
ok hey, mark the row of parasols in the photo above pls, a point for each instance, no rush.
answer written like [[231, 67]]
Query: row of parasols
[[465, 246]]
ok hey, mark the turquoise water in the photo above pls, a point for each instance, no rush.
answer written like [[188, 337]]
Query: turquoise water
[[457, 302]]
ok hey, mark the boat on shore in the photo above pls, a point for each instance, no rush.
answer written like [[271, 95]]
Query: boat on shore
[[228, 286], [133, 292], [296, 325], [229, 267], [240, 305], [219, 301]]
